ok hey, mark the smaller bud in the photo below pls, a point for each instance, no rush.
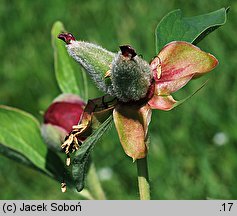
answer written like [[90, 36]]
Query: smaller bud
[[61, 115]]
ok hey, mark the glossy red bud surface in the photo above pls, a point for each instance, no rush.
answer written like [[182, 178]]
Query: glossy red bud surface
[[64, 114]]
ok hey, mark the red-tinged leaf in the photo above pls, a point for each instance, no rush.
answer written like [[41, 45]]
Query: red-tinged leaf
[[162, 102], [132, 123], [179, 62]]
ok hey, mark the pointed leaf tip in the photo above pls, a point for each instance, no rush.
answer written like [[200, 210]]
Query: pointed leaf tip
[[175, 27]]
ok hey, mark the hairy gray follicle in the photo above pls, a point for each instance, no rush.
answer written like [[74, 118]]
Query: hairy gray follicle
[[131, 78], [94, 59]]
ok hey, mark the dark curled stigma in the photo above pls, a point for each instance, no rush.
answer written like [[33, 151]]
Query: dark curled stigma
[[66, 37], [128, 51]]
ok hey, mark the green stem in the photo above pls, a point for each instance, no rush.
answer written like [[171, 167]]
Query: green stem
[[94, 184], [143, 179]]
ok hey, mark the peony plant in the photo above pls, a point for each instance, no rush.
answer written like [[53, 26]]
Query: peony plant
[[137, 86], [132, 88]]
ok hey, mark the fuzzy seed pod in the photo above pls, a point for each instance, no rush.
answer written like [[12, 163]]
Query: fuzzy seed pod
[[125, 75], [93, 58], [130, 75]]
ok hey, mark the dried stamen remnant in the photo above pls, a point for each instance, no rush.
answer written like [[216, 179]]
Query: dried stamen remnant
[[72, 143], [68, 160], [63, 187], [79, 132], [155, 66], [107, 74]]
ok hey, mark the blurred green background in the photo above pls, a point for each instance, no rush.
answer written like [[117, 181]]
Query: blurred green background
[[193, 150]]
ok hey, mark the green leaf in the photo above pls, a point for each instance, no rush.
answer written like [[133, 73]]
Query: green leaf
[[175, 27], [81, 159], [57, 167], [20, 138], [70, 77], [14, 155]]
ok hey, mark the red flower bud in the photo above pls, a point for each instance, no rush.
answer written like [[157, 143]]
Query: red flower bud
[[61, 115]]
